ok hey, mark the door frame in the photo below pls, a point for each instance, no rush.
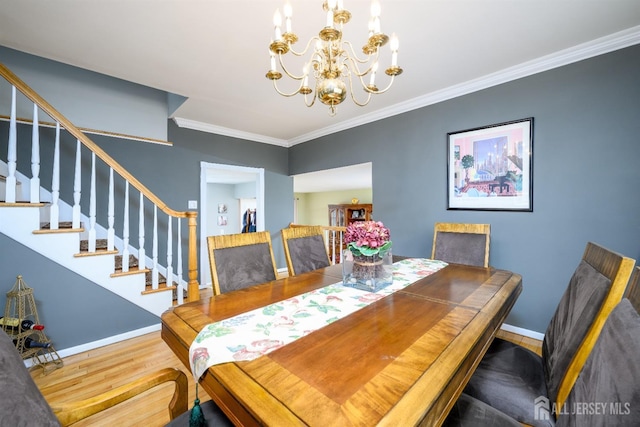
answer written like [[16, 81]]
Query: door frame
[[208, 174]]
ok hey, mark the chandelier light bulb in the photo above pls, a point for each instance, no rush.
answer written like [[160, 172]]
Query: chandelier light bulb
[[395, 43], [273, 61], [288, 13], [375, 15], [277, 22]]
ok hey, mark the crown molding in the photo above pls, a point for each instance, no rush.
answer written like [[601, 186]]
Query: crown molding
[[235, 133], [600, 46], [577, 53]]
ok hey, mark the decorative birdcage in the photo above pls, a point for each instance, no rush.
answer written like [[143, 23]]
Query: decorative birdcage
[[22, 324]]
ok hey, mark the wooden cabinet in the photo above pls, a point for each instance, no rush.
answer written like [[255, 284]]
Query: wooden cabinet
[[342, 216]]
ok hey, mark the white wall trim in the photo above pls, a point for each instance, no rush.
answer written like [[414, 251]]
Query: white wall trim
[[521, 331], [235, 133], [205, 275], [101, 343]]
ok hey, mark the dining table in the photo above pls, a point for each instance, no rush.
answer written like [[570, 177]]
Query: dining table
[[401, 360]]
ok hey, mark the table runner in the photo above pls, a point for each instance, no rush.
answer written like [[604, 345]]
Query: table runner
[[263, 330]]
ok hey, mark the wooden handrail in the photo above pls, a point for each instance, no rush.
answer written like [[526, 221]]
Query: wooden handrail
[[86, 141], [193, 288]]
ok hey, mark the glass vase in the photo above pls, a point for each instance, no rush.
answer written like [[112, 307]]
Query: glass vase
[[367, 272]]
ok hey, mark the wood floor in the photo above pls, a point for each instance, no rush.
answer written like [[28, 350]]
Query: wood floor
[[92, 372], [87, 374]]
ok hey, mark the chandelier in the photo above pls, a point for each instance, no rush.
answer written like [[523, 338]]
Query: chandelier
[[333, 61]]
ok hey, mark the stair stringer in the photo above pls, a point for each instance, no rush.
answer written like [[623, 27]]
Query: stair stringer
[[66, 211], [18, 223]]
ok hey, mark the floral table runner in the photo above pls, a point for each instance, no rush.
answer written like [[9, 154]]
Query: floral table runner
[[260, 331]]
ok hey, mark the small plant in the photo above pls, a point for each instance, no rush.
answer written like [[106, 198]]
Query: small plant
[[367, 238]]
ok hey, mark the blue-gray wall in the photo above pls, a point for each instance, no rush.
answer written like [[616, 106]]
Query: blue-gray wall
[[74, 310], [586, 150], [585, 176], [90, 100]]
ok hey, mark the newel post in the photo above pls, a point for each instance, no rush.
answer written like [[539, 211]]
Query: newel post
[[193, 291]]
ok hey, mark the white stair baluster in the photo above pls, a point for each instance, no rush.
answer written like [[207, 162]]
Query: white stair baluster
[[179, 290], [92, 206], [125, 230], [35, 158], [333, 246], [10, 195], [54, 210], [169, 251], [111, 214], [77, 182], [142, 257], [154, 249]]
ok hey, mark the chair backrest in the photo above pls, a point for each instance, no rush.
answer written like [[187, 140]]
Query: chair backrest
[[633, 289], [240, 260], [304, 249], [462, 243], [610, 377], [596, 287]]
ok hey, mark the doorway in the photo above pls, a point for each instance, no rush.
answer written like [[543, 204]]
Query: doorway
[[222, 187]]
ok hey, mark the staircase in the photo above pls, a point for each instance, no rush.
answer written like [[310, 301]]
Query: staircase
[[69, 233]]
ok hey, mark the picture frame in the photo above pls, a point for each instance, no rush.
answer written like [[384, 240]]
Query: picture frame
[[491, 167], [222, 220], [222, 208]]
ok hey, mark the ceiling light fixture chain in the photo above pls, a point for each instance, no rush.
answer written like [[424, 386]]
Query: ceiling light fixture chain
[[333, 61]]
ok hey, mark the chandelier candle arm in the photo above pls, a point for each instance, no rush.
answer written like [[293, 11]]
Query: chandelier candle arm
[[333, 62]]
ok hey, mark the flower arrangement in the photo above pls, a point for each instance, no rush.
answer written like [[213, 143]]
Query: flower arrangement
[[367, 238]]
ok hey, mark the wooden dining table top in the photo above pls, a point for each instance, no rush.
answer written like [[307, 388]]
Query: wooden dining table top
[[402, 360]]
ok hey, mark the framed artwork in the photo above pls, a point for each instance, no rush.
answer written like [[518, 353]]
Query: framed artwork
[[491, 167], [222, 208], [222, 220]]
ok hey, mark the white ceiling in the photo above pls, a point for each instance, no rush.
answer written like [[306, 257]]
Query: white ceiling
[[215, 53]]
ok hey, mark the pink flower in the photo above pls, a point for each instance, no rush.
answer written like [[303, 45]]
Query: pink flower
[[367, 234]]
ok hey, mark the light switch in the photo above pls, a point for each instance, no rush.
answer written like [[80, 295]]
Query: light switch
[[193, 204]]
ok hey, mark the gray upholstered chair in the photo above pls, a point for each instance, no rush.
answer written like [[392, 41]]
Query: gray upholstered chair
[[22, 403], [513, 379], [462, 243], [470, 412], [610, 377], [633, 289], [606, 392], [304, 249], [240, 260]]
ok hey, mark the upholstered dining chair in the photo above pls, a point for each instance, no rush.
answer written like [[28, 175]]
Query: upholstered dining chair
[[605, 393], [304, 249], [461, 243], [633, 289], [240, 260], [513, 379], [22, 403]]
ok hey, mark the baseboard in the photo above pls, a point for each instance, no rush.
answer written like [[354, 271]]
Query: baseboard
[[521, 331], [101, 343]]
